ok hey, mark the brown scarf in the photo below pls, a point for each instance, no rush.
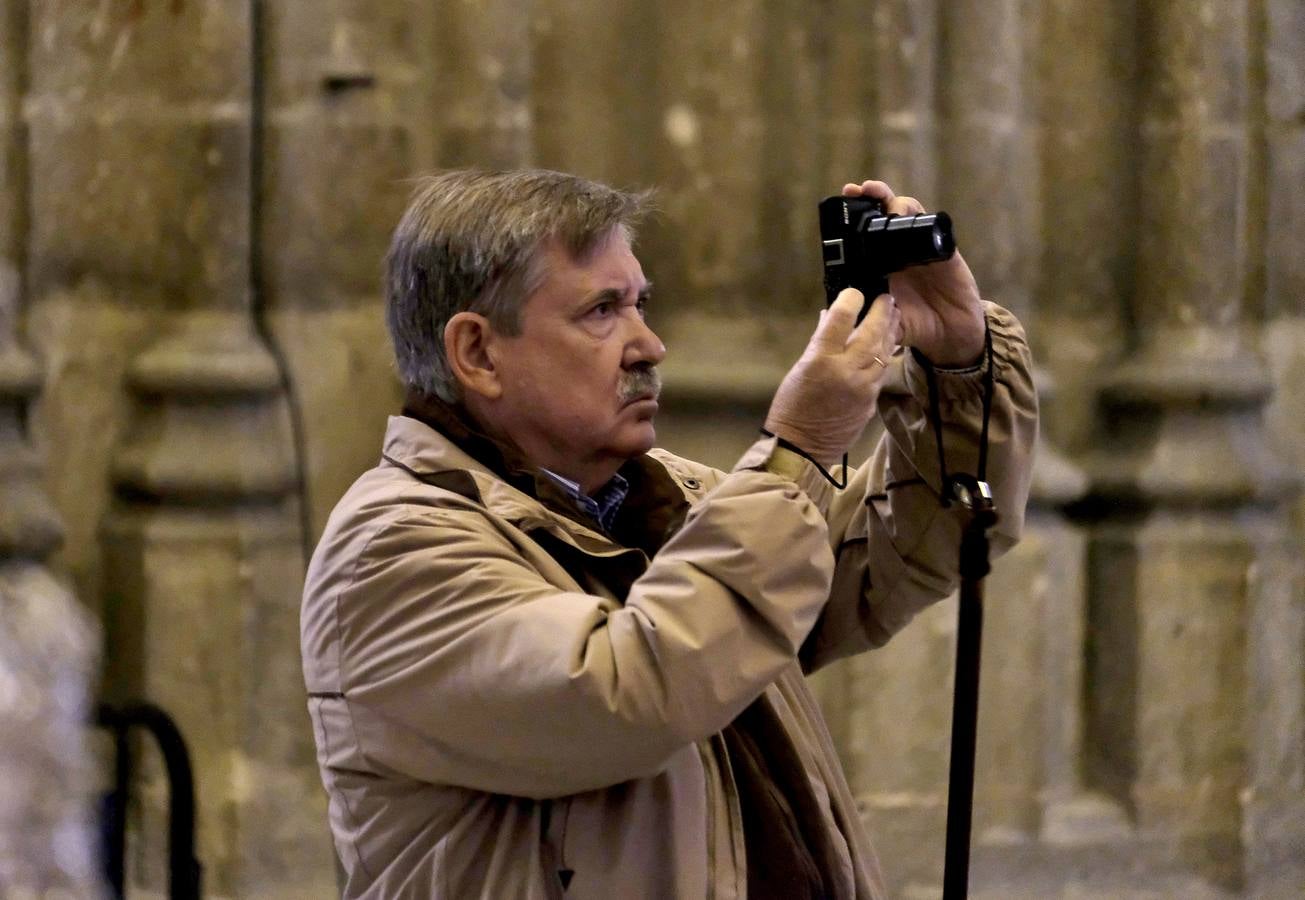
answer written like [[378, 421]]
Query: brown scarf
[[653, 510]]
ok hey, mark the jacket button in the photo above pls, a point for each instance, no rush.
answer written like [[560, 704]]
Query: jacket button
[[692, 483]]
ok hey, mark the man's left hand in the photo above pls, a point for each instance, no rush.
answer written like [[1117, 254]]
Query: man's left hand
[[942, 314]]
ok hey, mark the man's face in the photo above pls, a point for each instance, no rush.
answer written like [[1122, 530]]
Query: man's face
[[579, 388]]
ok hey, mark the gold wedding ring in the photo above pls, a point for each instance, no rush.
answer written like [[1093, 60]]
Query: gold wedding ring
[[881, 362]]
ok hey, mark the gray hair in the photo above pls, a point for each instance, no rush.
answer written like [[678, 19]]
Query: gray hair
[[470, 241]]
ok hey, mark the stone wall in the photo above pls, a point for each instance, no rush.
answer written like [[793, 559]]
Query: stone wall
[[194, 200]]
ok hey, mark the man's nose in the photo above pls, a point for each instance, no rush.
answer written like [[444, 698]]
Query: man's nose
[[643, 345]]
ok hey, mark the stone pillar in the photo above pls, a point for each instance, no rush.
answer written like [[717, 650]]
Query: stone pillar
[[710, 154], [1276, 811], [984, 140], [594, 89], [29, 526], [989, 176], [141, 136], [996, 137], [1086, 154], [350, 122], [1185, 488], [905, 60], [730, 337], [483, 69], [48, 642]]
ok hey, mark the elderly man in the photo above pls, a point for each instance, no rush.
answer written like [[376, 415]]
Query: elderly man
[[544, 659]]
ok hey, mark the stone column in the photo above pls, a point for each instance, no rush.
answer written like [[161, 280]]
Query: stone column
[[989, 176], [141, 137], [710, 154], [48, 642], [905, 69], [1276, 811], [989, 184], [1187, 491], [1017, 103], [29, 526], [1084, 54], [483, 68], [594, 85], [1086, 101], [728, 334]]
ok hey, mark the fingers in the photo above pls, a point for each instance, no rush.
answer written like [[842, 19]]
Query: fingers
[[836, 325], [894, 205], [876, 189], [874, 339]]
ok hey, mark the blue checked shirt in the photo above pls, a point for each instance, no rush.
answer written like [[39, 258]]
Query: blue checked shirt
[[603, 507]]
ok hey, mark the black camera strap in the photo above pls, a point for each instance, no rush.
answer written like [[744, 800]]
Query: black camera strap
[[946, 481], [794, 448]]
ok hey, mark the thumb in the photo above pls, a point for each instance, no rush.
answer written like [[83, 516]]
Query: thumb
[[836, 326]]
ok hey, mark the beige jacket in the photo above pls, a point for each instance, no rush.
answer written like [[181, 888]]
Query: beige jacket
[[505, 701]]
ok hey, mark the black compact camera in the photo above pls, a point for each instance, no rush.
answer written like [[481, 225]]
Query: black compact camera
[[862, 244]]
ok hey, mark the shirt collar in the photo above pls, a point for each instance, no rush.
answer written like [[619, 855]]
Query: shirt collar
[[606, 502]]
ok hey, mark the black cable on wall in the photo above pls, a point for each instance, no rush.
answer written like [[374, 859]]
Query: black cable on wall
[[257, 295]]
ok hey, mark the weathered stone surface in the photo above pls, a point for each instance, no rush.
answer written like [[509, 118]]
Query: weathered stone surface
[[1285, 265], [1083, 97], [140, 199], [350, 120], [710, 156], [200, 620], [345, 387], [141, 242], [905, 58], [1170, 709], [86, 334], [594, 89], [1275, 819], [163, 51], [984, 141], [483, 78], [1194, 144]]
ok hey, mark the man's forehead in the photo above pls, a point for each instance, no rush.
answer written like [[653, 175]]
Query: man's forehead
[[609, 264]]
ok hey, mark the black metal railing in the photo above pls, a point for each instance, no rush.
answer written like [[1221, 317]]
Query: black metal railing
[[183, 868]]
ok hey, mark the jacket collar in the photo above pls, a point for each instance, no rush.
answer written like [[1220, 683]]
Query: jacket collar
[[654, 508]]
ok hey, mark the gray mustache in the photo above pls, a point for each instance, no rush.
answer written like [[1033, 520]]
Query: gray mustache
[[640, 382]]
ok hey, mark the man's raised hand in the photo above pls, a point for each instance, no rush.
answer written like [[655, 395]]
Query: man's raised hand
[[826, 399], [942, 314]]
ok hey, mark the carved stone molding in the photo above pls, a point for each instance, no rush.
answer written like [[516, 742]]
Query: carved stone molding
[[211, 424]]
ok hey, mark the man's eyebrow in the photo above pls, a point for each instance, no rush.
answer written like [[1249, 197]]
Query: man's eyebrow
[[614, 295]]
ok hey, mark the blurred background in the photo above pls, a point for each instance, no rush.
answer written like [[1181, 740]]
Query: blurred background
[[196, 198]]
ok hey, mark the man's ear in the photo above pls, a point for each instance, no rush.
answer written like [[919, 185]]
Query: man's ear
[[467, 337]]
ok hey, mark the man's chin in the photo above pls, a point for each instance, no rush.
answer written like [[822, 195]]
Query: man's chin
[[639, 439]]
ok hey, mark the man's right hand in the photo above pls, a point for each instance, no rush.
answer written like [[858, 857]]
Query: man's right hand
[[826, 399]]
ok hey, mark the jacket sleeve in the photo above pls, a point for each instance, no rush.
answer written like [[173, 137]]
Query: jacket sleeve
[[462, 664], [896, 546]]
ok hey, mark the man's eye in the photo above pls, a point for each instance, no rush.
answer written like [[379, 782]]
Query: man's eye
[[602, 310], [642, 306]]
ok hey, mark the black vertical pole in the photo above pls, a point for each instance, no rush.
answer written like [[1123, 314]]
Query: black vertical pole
[[974, 567], [965, 718]]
